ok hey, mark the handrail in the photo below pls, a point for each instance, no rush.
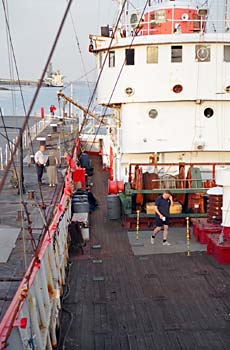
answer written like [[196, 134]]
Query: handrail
[[190, 164], [22, 306], [173, 190]]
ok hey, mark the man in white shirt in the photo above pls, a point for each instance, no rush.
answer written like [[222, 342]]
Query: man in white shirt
[[40, 160]]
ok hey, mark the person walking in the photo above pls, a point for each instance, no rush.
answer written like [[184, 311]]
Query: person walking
[[52, 110], [40, 160], [52, 163], [162, 207]]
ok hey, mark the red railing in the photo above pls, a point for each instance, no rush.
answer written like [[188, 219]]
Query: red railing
[[10, 320]]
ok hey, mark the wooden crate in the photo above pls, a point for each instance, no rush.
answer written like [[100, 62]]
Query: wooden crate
[[150, 208], [176, 208]]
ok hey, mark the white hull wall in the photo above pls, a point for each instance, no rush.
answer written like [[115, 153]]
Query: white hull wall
[[179, 126]]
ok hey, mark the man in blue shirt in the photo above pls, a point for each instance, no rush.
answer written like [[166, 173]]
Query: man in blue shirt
[[162, 206]]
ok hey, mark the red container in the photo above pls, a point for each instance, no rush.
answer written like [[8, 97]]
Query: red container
[[120, 186], [79, 176], [202, 230], [115, 186], [207, 230], [221, 252]]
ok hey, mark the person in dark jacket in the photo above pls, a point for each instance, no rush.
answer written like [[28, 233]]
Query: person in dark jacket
[[162, 209]]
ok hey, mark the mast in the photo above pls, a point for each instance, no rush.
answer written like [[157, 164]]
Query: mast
[[124, 17], [226, 15]]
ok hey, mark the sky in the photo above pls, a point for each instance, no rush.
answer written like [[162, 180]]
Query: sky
[[33, 26]]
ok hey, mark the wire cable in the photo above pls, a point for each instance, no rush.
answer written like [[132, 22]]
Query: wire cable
[[79, 49], [20, 188], [19, 83], [25, 123], [119, 74], [85, 118], [10, 325], [103, 65]]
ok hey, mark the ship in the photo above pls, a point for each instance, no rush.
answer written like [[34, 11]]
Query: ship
[[53, 78], [163, 70]]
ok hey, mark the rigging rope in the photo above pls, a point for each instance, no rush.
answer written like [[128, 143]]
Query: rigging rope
[[20, 189], [25, 123], [79, 49], [103, 65], [20, 87], [11, 70], [119, 74]]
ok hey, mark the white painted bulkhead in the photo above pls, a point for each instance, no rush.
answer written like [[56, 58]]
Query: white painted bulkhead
[[155, 81], [179, 126], [180, 131]]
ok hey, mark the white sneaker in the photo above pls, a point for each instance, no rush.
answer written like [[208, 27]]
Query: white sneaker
[[50, 185], [166, 243], [152, 240]]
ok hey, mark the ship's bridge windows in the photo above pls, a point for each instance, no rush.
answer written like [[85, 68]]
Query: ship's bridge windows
[[129, 57], [226, 53], [111, 58], [152, 54], [176, 53], [203, 53], [160, 16]]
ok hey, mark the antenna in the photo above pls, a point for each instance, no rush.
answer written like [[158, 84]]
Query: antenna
[[226, 19]]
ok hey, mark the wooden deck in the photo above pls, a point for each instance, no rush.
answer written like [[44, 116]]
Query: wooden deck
[[119, 301]]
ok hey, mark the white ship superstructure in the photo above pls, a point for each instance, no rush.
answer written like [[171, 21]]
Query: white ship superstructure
[[167, 74], [53, 79]]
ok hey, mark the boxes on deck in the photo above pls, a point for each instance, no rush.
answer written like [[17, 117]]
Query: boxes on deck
[[176, 208], [150, 208]]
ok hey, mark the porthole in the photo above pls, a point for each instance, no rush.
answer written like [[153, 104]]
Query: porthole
[[208, 112], [129, 91], [227, 89], [177, 88], [153, 113]]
